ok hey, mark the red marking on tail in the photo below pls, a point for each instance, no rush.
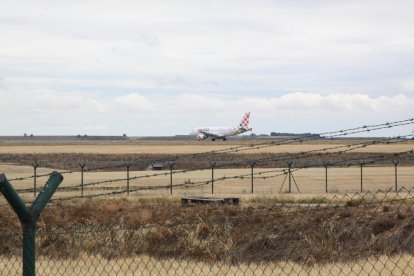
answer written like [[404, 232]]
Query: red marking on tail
[[245, 121]]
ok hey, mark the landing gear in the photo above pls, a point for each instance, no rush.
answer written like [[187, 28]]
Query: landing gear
[[213, 139], [224, 139]]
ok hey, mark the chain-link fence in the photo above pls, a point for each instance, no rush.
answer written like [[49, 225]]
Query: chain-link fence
[[369, 233]]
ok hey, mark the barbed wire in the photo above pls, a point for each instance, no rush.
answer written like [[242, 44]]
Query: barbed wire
[[287, 157], [240, 148], [327, 150], [290, 157], [281, 172], [370, 126], [348, 163]]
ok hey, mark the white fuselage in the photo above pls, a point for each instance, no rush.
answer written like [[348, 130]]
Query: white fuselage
[[218, 131], [214, 133]]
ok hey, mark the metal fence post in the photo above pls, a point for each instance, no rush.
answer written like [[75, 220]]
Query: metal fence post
[[290, 176], [396, 162], [127, 167], [171, 165], [361, 164], [326, 164], [35, 166], [82, 166], [29, 216], [213, 165], [29, 249], [252, 164]]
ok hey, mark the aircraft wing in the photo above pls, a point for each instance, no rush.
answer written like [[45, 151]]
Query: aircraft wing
[[209, 134]]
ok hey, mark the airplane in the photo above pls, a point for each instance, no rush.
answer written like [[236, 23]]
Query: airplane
[[203, 133]]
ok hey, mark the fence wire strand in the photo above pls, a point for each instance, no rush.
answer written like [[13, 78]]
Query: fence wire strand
[[242, 148], [360, 233]]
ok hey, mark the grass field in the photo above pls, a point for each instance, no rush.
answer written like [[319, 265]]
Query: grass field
[[174, 147], [309, 181], [340, 180]]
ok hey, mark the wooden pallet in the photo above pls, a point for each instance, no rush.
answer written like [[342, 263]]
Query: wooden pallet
[[210, 200]]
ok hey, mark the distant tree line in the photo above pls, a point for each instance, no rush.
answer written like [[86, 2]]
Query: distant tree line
[[310, 135]]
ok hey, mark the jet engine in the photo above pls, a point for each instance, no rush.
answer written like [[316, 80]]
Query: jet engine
[[201, 136]]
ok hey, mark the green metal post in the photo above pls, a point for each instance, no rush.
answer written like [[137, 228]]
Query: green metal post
[[48, 190], [13, 198], [29, 249], [29, 217]]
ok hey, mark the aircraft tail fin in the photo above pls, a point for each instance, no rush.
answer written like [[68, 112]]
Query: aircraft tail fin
[[245, 121]]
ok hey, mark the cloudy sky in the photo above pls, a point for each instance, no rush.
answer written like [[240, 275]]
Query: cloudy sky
[[157, 67]]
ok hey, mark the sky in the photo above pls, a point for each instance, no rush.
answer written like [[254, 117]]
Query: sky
[[150, 68]]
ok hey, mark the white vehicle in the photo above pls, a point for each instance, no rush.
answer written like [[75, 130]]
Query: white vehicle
[[203, 133]]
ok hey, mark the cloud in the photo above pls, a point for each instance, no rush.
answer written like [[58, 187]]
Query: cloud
[[301, 102], [272, 45], [292, 64], [407, 85], [95, 128], [50, 113], [46, 101], [191, 102], [134, 102]]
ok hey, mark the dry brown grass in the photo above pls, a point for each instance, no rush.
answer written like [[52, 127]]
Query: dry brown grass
[[264, 239]]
